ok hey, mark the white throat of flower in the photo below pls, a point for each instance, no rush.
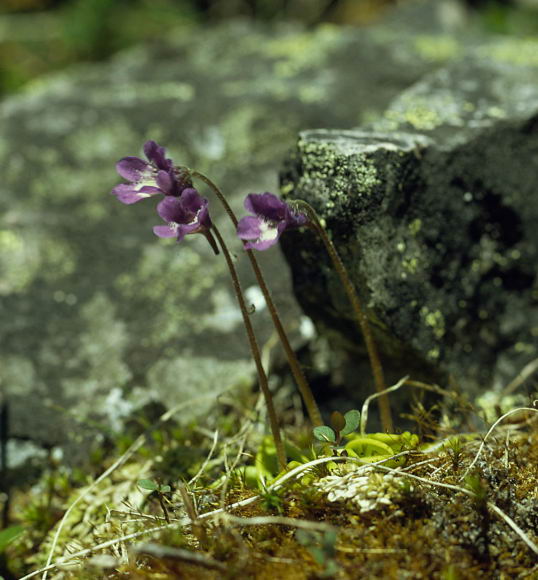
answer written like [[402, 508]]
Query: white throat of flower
[[268, 231], [147, 179], [195, 218], [174, 226]]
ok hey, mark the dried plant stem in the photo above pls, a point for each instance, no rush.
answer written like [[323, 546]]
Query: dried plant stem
[[490, 430], [522, 376], [304, 388], [383, 393], [264, 384], [127, 455], [362, 320], [160, 552]]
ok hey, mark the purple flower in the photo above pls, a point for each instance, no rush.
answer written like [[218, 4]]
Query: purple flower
[[157, 175], [271, 218], [186, 214]]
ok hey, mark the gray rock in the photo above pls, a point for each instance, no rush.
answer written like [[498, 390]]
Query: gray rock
[[97, 316], [434, 210]]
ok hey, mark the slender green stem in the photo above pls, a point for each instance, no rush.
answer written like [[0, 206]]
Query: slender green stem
[[300, 379], [375, 363], [281, 454]]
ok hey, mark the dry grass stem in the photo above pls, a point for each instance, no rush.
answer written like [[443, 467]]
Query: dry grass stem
[[491, 429]]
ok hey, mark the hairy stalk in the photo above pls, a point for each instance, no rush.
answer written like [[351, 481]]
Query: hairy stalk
[[255, 353], [304, 388], [375, 363]]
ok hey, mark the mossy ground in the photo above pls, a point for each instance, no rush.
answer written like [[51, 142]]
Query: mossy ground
[[424, 531]]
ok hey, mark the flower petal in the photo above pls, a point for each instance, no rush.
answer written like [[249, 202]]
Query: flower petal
[[260, 245], [131, 168], [165, 231], [294, 220], [192, 201], [267, 205], [259, 234], [171, 210], [128, 194], [185, 229], [248, 228], [165, 182], [156, 155]]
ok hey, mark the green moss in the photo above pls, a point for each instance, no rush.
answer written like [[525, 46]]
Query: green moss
[[154, 284], [418, 114], [426, 113], [513, 51], [433, 353], [94, 143], [364, 174], [297, 52], [332, 174], [319, 160], [415, 226], [26, 255], [439, 48], [435, 320], [138, 92], [410, 265], [525, 347]]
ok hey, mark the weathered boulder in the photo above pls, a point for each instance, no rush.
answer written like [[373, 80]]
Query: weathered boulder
[[97, 316], [434, 210]]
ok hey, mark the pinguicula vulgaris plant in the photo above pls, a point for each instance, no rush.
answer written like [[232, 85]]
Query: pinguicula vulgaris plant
[[272, 217], [185, 212]]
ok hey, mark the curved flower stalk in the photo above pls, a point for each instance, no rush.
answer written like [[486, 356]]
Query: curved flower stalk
[[272, 217], [186, 212], [300, 379]]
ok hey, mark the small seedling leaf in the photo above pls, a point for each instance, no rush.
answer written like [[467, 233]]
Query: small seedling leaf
[[318, 554], [8, 535], [165, 488], [324, 433], [147, 484], [352, 422], [303, 537], [338, 421], [329, 541]]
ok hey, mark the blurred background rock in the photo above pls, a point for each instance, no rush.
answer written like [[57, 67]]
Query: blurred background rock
[[39, 36]]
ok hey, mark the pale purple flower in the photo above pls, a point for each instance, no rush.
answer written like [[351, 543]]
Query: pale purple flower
[[186, 214], [271, 218], [155, 176]]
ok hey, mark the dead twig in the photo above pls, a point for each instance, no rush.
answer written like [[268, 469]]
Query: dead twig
[[161, 552]]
